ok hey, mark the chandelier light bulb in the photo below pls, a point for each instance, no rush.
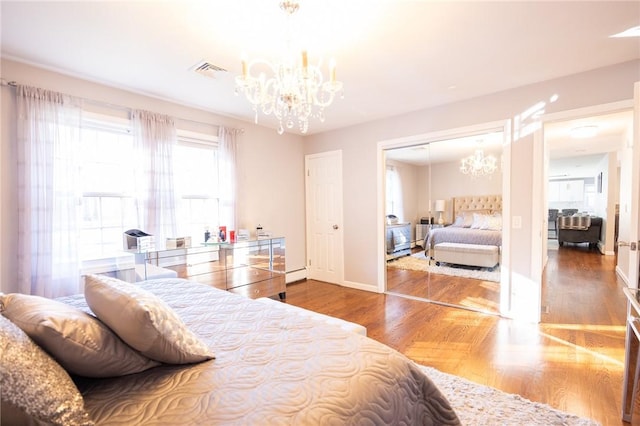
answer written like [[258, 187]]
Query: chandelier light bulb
[[478, 164], [294, 91]]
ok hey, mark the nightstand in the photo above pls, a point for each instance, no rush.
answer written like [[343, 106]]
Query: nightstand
[[422, 230]]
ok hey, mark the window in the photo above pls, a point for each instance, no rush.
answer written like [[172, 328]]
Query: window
[[394, 192], [196, 176], [108, 203]]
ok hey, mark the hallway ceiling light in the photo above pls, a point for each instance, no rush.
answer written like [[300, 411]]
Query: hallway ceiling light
[[293, 90]]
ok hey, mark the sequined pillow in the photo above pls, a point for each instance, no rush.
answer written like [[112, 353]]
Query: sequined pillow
[[80, 343], [143, 321], [35, 389]]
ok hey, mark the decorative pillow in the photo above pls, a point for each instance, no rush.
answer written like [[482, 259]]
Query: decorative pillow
[[78, 341], [458, 223], [35, 389], [494, 223], [479, 221], [467, 218], [143, 321]]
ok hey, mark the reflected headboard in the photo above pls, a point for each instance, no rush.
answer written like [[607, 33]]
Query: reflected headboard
[[493, 203]]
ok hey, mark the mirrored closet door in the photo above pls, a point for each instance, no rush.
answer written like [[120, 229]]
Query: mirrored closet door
[[428, 186]]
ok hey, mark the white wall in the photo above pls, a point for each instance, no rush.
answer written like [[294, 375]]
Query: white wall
[[271, 167], [359, 144], [447, 182], [605, 202]]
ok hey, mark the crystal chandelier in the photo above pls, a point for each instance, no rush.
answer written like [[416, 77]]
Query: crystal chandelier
[[295, 90], [478, 164]]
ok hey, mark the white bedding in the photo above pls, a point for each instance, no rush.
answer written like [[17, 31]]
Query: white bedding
[[273, 366]]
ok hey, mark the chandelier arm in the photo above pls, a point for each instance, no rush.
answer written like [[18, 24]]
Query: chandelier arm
[[294, 91]]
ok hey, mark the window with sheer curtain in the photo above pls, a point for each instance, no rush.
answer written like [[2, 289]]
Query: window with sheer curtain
[[84, 180], [393, 192], [108, 197]]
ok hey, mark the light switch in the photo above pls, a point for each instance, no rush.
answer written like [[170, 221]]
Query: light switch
[[516, 222]]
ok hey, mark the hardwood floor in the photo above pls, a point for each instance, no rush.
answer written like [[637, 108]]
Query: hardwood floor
[[572, 360], [483, 296]]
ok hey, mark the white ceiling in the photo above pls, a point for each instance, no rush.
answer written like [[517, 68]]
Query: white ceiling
[[394, 56], [569, 157]]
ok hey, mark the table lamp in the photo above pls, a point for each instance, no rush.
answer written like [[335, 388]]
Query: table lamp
[[439, 209]]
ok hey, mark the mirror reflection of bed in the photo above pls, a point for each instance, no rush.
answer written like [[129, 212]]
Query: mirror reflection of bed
[[457, 264], [420, 178]]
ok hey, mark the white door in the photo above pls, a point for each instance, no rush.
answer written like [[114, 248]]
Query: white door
[[629, 220], [325, 261], [634, 207]]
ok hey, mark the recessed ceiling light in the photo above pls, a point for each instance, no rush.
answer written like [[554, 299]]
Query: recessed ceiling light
[[584, 132], [631, 32]]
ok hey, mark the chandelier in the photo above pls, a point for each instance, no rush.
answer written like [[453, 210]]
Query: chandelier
[[478, 164], [293, 90]]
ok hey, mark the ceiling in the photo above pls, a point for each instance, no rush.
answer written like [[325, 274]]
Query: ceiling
[[393, 56], [569, 157]]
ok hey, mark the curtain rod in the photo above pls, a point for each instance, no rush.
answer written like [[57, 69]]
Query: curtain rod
[[13, 83]]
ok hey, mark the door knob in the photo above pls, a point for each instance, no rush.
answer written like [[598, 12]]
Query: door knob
[[623, 244], [335, 226]]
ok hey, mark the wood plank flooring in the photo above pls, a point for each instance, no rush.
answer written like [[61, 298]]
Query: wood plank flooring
[[572, 360], [483, 296]]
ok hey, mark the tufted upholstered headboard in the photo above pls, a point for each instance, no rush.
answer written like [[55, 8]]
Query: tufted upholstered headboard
[[493, 203]]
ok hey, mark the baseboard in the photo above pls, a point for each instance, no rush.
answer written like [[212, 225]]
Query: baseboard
[[622, 275], [360, 286], [297, 275]]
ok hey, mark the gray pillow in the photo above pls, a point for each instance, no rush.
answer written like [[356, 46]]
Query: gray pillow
[[143, 321], [81, 343], [35, 389]]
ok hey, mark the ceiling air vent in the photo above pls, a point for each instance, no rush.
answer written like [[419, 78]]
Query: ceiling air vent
[[207, 69]]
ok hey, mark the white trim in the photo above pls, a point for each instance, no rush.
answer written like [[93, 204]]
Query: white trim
[[623, 276], [601, 109], [293, 276], [505, 255], [361, 286]]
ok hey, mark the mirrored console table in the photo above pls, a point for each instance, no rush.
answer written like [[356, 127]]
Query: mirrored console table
[[631, 354], [254, 268]]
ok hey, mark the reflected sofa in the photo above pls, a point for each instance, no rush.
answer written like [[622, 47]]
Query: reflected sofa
[[590, 235]]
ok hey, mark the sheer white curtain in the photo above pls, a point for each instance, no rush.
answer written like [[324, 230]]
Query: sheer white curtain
[[227, 176], [155, 140], [48, 132]]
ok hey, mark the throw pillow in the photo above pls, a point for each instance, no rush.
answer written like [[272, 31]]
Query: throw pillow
[[35, 389], [458, 223], [479, 221], [494, 223], [143, 321], [78, 341]]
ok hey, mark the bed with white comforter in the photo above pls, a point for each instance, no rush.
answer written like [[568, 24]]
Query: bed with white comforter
[[272, 366]]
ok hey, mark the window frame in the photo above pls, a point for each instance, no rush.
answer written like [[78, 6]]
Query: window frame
[[119, 125]]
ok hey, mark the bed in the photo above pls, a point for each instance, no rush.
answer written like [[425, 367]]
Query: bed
[[256, 362], [477, 227]]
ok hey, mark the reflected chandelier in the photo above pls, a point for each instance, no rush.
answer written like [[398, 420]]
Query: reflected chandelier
[[478, 164], [295, 90]]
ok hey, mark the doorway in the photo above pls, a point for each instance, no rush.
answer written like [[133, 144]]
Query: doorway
[[583, 177]]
